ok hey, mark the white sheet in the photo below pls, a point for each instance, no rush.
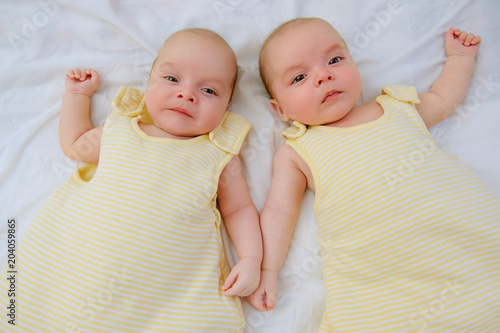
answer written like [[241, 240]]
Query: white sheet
[[393, 42]]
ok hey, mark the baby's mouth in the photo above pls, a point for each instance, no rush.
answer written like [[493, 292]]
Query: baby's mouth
[[181, 111], [331, 95]]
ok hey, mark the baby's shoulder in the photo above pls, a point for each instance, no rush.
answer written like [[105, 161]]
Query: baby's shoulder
[[287, 158], [285, 154]]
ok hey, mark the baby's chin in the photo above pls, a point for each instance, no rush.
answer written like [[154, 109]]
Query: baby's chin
[[169, 133], [184, 135]]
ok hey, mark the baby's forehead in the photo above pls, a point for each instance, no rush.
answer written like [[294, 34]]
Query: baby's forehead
[[307, 31], [301, 39], [187, 39], [198, 44]]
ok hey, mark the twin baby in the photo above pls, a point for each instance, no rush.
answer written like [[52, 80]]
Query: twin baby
[[169, 173]]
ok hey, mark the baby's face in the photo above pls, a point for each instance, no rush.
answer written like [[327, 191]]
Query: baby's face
[[190, 85], [312, 75]]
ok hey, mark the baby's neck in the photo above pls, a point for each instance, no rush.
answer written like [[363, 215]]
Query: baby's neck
[[155, 131], [359, 115]]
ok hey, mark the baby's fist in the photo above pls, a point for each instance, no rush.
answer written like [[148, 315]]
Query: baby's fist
[[459, 42], [82, 81]]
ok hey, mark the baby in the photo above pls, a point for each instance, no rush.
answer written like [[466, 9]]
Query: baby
[[134, 243], [410, 238]]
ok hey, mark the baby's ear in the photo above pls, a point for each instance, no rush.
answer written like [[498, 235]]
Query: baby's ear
[[279, 111]]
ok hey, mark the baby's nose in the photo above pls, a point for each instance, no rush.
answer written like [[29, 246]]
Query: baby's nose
[[186, 97], [187, 94], [323, 79]]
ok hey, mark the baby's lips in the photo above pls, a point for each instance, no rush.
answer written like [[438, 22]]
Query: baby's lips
[[330, 95]]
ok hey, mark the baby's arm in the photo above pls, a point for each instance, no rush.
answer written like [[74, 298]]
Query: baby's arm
[[242, 223], [277, 222], [450, 88], [79, 140]]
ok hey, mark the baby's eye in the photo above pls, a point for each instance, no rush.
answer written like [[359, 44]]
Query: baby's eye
[[171, 78], [298, 78], [334, 60], [209, 91]]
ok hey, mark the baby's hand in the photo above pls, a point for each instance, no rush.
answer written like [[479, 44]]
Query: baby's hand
[[83, 81], [244, 278], [264, 298], [461, 43]]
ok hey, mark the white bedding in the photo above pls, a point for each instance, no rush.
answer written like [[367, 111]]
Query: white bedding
[[393, 42]]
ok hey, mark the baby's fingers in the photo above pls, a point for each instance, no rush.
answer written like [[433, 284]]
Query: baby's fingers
[[230, 279], [94, 76], [270, 300], [466, 38], [85, 73], [459, 33], [236, 288], [258, 300], [79, 74], [475, 40], [70, 73]]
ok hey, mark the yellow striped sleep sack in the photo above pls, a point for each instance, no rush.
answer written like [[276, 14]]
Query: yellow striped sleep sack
[[410, 238], [133, 245]]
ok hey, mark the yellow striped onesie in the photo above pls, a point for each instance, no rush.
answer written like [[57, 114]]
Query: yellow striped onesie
[[133, 245], [410, 238]]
